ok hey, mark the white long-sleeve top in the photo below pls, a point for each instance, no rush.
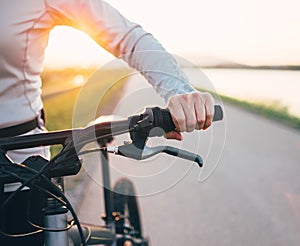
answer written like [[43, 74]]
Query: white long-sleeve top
[[25, 27]]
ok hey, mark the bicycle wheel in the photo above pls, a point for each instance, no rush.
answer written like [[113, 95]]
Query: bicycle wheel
[[125, 204]]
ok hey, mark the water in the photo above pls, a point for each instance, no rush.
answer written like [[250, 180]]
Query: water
[[253, 85]]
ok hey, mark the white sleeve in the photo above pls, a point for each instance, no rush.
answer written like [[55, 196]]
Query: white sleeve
[[124, 39]]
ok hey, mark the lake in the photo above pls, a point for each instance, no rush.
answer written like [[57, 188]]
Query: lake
[[252, 84]]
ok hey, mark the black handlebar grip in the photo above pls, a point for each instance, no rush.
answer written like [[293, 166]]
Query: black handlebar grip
[[218, 113], [163, 118]]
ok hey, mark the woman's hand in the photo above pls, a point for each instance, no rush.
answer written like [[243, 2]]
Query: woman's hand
[[189, 112]]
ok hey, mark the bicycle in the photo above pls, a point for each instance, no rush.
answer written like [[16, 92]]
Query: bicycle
[[122, 215]]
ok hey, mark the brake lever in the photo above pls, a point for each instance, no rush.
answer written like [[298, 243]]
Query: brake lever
[[183, 154], [133, 152]]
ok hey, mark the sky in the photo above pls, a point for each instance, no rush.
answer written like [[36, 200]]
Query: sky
[[252, 32]]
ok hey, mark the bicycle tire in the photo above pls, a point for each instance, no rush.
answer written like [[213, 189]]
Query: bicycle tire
[[126, 205]]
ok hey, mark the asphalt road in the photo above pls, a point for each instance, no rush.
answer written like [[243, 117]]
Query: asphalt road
[[252, 197]]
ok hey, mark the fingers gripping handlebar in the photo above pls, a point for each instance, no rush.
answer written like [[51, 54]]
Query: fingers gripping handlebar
[[160, 118], [163, 118]]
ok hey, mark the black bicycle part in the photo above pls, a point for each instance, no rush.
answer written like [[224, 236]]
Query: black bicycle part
[[107, 194], [42, 183], [126, 214]]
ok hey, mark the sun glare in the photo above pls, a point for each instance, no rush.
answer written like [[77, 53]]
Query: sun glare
[[78, 80], [68, 47]]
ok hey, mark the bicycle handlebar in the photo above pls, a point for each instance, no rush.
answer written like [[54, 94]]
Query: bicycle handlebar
[[163, 119], [160, 118], [153, 122], [151, 118]]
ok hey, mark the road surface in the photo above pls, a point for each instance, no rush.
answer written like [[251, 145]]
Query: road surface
[[252, 198]]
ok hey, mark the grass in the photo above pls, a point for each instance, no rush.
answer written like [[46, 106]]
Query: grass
[[59, 108], [273, 110]]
